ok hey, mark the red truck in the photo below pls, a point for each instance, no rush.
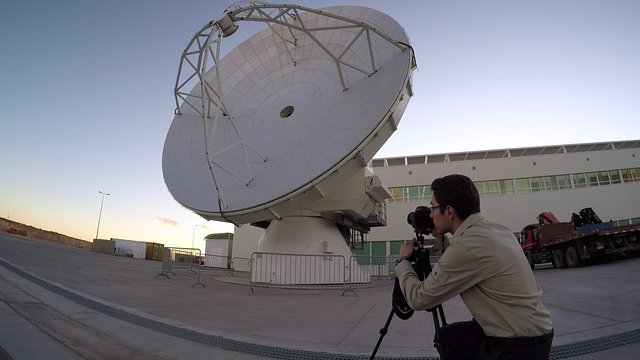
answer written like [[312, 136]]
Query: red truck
[[586, 239]]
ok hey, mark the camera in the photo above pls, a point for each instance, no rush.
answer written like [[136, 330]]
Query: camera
[[422, 224], [421, 220]]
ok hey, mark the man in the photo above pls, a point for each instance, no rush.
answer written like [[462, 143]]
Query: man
[[485, 265]]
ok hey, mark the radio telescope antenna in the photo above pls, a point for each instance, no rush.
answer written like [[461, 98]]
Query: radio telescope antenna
[[277, 126]]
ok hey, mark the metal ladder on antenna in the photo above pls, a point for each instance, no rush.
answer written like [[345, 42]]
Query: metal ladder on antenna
[[357, 239]]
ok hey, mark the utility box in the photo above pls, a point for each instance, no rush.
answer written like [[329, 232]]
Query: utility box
[[154, 251], [218, 250]]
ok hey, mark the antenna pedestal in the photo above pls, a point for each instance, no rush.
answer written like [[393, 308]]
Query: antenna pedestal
[[301, 250]]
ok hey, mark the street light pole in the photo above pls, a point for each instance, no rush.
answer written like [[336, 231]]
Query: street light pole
[[100, 215], [193, 236]]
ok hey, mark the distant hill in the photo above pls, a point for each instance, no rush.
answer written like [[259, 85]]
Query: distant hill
[[18, 229]]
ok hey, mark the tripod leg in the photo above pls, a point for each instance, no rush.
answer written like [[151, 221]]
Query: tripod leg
[[441, 312], [437, 314], [383, 332]]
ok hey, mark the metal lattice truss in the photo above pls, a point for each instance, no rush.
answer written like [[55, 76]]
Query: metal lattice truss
[[202, 55]]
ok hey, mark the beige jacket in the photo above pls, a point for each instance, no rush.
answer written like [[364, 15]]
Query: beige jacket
[[486, 266]]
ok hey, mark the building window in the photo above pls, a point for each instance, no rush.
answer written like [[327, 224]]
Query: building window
[[563, 182], [361, 252], [621, 222], [492, 187], [592, 179], [579, 180], [425, 193], [626, 175], [394, 247], [379, 248], [536, 184], [550, 183], [603, 178], [522, 185], [614, 175], [412, 193], [506, 186], [397, 194]]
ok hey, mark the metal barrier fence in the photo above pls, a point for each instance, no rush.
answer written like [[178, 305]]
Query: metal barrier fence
[[213, 262], [182, 261], [297, 269], [216, 261], [240, 264], [226, 262], [302, 269], [372, 266]]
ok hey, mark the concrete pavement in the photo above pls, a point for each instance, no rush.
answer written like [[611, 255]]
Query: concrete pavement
[[64, 303]]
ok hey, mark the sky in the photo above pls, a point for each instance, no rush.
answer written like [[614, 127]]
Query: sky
[[86, 92]]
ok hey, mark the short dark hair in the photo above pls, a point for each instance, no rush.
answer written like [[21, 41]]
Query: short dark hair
[[457, 191]]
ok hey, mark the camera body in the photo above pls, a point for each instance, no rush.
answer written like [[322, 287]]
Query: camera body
[[422, 224], [421, 220]]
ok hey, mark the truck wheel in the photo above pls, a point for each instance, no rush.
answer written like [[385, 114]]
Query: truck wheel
[[530, 259], [558, 258], [572, 257]]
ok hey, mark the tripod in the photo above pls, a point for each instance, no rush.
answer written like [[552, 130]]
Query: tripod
[[422, 266]]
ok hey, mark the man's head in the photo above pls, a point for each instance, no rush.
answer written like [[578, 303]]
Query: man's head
[[455, 197]]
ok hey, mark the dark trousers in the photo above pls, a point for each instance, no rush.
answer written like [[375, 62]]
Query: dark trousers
[[466, 340]]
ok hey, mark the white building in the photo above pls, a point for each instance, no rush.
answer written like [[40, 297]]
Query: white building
[[130, 248], [515, 186]]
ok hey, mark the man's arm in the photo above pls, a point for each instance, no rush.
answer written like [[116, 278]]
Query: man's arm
[[455, 272]]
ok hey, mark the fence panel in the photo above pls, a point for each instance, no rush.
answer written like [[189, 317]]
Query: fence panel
[[297, 269], [241, 264], [182, 261], [217, 261], [364, 267]]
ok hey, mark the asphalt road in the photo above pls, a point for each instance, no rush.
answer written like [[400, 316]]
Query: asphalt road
[[66, 303]]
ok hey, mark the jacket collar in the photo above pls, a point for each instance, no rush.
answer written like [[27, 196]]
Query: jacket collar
[[470, 221]]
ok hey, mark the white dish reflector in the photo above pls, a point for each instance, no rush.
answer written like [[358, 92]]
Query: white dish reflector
[[288, 114]]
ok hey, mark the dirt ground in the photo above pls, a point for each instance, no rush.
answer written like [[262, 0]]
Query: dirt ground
[[19, 229]]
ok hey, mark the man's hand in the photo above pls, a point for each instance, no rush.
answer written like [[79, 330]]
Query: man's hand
[[406, 250]]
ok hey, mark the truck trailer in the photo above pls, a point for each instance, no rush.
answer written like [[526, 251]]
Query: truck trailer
[[584, 240]]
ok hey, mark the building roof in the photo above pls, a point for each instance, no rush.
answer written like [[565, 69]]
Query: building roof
[[504, 153]]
